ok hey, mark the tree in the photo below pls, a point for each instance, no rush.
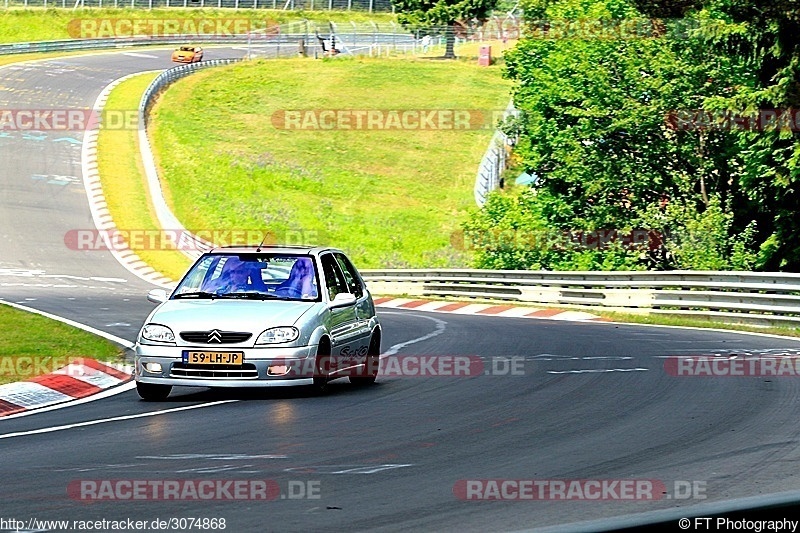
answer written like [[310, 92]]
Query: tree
[[427, 13], [771, 156], [594, 131]]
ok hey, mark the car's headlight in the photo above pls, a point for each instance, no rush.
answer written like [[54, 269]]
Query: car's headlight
[[157, 333], [278, 335]]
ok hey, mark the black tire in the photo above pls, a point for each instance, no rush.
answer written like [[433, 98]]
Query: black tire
[[371, 363], [321, 378], [152, 392]]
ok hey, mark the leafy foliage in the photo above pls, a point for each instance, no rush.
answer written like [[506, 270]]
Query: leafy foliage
[[425, 13], [593, 130]]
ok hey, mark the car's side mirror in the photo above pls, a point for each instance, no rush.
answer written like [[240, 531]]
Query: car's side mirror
[[157, 296], [343, 299]]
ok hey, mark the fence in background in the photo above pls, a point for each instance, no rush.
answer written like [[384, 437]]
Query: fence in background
[[64, 45], [744, 297], [298, 5]]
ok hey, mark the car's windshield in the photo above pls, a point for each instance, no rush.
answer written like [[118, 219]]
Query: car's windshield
[[187, 49], [259, 276]]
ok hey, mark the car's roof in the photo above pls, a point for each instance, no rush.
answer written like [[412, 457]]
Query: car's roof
[[273, 249]]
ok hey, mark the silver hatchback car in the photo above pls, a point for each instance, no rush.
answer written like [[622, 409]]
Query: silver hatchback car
[[260, 317]]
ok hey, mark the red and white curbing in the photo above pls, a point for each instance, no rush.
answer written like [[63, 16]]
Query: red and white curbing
[[97, 202], [81, 378], [464, 308]]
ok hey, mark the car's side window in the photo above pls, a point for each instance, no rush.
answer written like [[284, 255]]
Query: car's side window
[[350, 275], [333, 276]]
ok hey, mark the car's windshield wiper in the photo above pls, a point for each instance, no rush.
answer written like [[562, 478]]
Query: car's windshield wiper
[[198, 294], [251, 296]]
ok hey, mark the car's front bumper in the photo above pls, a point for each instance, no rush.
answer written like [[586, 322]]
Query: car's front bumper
[[254, 372]]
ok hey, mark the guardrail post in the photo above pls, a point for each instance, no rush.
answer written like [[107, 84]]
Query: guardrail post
[[349, 4]]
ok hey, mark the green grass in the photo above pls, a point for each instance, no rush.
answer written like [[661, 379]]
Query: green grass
[[676, 320], [389, 198], [124, 182], [24, 25], [50, 343]]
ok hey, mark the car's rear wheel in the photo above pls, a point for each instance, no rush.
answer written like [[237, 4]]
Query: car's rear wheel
[[372, 361], [322, 367], [153, 392]]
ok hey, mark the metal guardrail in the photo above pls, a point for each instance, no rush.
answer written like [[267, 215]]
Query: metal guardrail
[[745, 297], [165, 216], [494, 161], [171, 75], [124, 42], [349, 38]]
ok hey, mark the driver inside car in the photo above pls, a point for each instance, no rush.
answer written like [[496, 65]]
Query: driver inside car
[[239, 276]]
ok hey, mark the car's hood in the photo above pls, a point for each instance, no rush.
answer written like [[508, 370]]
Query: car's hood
[[228, 315]]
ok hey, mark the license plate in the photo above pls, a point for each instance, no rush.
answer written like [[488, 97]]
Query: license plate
[[213, 358]]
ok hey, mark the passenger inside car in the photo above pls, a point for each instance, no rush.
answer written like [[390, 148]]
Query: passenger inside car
[[301, 281]]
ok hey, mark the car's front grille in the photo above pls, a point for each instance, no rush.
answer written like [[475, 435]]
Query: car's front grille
[[183, 370], [215, 336]]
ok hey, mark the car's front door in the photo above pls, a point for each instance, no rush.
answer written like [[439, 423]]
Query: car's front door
[[343, 321]]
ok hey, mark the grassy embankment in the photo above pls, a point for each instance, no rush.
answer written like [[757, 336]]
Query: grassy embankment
[[32, 344], [231, 158]]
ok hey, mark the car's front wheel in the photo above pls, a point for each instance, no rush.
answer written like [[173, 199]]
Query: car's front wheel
[[322, 367], [372, 362], [153, 392]]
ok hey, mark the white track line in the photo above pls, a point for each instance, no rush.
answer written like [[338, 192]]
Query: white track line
[[112, 419], [440, 327]]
